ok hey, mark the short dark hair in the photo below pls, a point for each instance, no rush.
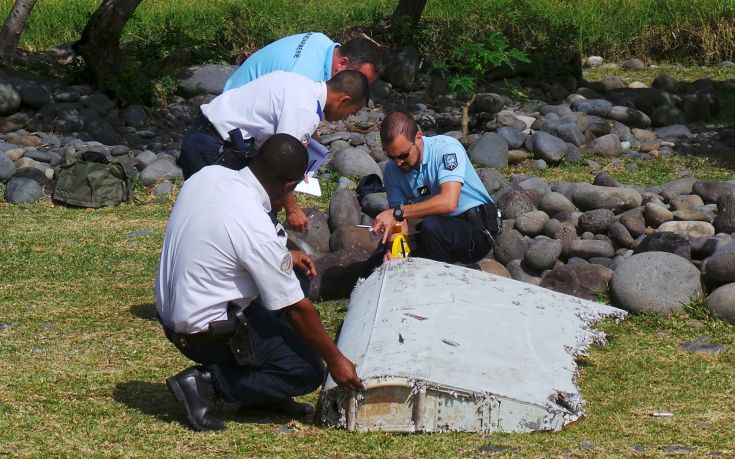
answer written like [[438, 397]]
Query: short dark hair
[[396, 124], [281, 158], [362, 51], [352, 83]]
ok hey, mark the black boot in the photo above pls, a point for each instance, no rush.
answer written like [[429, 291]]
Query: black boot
[[193, 387]]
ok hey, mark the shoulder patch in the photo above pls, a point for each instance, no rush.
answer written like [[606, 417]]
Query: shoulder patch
[[450, 161], [287, 263]]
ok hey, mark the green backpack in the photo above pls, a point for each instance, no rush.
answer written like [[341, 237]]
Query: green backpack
[[93, 180]]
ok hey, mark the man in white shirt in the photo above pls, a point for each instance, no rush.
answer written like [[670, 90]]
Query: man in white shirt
[[227, 295], [278, 102]]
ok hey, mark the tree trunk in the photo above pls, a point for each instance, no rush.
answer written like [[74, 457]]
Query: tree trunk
[[99, 44], [413, 9], [13, 28]]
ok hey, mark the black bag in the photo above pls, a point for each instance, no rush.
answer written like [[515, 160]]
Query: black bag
[[237, 153], [492, 218], [93, 180]]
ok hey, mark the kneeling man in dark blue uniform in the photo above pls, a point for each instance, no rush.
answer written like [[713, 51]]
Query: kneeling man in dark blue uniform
[[432, 179], [228, 297]]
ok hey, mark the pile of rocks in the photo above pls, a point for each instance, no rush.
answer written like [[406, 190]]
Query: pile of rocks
[[577, 238]]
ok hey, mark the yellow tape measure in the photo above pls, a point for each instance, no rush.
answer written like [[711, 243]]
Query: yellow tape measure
[[400, 247]]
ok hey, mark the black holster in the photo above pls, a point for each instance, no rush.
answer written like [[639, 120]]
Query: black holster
[[486, 216], [238, 152]]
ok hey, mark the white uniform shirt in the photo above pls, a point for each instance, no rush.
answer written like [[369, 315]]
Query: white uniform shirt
[[221, 246], [278, 102]]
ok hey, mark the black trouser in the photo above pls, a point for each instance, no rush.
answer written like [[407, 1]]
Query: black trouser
[[283, 366], [201, 146], [441, 238]]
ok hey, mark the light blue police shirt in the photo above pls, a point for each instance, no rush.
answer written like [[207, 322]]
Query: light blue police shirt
[[444, 160], [309, 54]]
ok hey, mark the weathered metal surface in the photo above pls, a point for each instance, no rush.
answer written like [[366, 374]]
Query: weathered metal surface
[[445, 348]]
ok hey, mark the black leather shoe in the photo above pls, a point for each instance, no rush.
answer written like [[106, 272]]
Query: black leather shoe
[[193, 387]]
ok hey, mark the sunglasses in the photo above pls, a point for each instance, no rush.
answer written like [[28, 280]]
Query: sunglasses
[[403, 156]]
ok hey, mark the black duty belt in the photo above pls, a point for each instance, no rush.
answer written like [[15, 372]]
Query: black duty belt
[[203, 123]]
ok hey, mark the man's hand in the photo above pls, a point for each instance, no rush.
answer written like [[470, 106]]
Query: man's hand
[[303, 263], [384, 222], [297, 219], [344, 373]]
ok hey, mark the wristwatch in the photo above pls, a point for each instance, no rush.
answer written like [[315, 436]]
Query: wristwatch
[[398, 213]]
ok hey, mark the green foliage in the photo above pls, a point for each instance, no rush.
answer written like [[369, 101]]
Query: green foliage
[[472, 60]]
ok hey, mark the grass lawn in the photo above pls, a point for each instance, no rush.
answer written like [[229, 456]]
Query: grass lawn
[[83, 360]]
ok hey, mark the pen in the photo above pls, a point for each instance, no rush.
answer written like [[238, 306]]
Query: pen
[[311, 164]]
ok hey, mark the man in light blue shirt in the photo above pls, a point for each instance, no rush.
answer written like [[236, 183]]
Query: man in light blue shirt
[[312, 55], [432, 178]]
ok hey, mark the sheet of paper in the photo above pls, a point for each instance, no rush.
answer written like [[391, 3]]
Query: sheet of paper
[[312, 187]]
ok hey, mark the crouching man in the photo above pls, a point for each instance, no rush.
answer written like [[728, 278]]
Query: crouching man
[[432, 179], [228, 297]]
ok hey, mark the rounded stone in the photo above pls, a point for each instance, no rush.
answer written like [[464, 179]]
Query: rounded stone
[[374, 203], [721, 302], [666, 242], [490, 151], [509, 245], [655, 282], [596, 221], [692, 229], [515, 203], [656, 214], [720, 267], [344, 209], [520, 271], [543, 253], [590, 197], [489, 265], [606, 145], [553, 203], [355, 162], [23, 191], [531, 223], [591, 248], [581, 279]]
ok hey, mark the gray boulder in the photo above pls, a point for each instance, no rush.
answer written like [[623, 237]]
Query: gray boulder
[[204, 79], [337, 274], [9, 100], [374, 203], [596, 221], [344, 209], [509, 245], [490, 151], [553, 203], [720, 267], [548, 147], [401, 66], [521, 272], [590, 197], [597, 107], [317, 232], [512, 136], [542, 253], [531, 223], [585, 281], [535, 183], [655, 282], [7, 168], [721, 302], [724, 221], [35, 96], [666, 115], [711, 190], [352, 238], [355, 162], [488, 102], [160, 169], [606, 145], [666, 242], [674, 131], [590, 248], [21, 190], [630, 117], [515, 203], [633, 64], [495, 183]]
